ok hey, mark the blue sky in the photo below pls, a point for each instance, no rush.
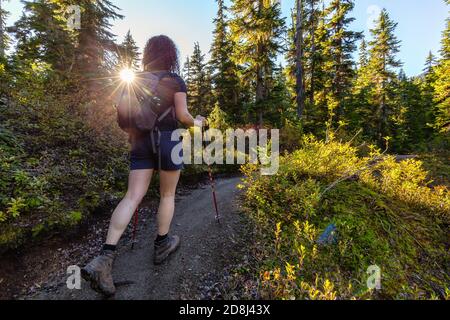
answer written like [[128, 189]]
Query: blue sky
[[420, 23]]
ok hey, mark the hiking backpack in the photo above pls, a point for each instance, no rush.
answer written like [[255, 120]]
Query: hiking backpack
[[139, 107]]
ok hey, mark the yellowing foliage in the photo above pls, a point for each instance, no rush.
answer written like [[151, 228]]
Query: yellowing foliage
[[386, 214]]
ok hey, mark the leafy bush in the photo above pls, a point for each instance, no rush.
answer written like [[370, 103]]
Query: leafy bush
[[60, 159], [290, 135], [385, 214]]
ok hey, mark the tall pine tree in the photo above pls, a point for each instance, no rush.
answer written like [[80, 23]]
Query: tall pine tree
[[4, 40], [129, 56], [291, 59], [198, 81], [304, 54], [361, 90], [442, 84], [318, 74], [411, 130], [340, 68], [427, 83], [257, 29], [312, 47], [279, 98], [95, 39], [42, 36], [430, 64], [383, 65], [363, 55], [186, 71], [299, 57], [224, 70]]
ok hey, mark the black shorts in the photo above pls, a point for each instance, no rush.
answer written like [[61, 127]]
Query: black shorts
[[153, 151]]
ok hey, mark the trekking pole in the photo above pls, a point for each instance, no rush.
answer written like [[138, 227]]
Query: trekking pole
[[212, 181], [135, 225]]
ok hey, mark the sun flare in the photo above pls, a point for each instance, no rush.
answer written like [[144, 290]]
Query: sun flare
[[127, 75]]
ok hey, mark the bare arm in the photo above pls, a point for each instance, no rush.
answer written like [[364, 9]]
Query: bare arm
[[182, 112]]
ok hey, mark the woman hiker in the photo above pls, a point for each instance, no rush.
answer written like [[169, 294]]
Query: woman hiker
[[161, 59]]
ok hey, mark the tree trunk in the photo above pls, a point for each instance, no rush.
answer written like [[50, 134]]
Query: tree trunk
[[2, 32], [339, 74], [260, 74], [383, 111], [299, 60], [383, 121], [313, 54], [260, 94]]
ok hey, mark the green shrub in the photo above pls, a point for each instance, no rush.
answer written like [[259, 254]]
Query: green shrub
[[59, 159], [386, 214]]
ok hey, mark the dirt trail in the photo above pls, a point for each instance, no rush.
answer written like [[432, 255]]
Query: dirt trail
[[206, 252]]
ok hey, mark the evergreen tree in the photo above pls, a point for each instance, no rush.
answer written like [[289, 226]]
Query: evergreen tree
[[328, 46], [42, 35], [257, 29], [4, 65], [312, 47], [363, 55], [411, 129], [217, 119], [208, 91], [426, 85], [186, 72], [382, 68], [442, 96], [4, 40], [310, 52], [362, 87], [363, 104], [95, 39], [442, 84], [198, 82], [291, 59], [299, 57], [129, 55], [340, 68], [279, 99], [430, 64], [319, 75], [224, 70]]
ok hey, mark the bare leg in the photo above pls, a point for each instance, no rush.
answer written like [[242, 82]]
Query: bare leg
[[168, 186], [138, 183]]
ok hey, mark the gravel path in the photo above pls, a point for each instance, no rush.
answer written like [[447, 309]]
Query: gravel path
[[196, 271]]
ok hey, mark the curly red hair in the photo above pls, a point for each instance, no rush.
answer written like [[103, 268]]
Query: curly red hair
[[160, 54]]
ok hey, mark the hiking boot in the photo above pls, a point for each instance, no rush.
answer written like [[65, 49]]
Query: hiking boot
[[165, 248], [99, 273]]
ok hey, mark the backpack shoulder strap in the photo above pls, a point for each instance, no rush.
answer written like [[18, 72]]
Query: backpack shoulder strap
[[171, 109], [153, 83], [165, 114], [151, 90]]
